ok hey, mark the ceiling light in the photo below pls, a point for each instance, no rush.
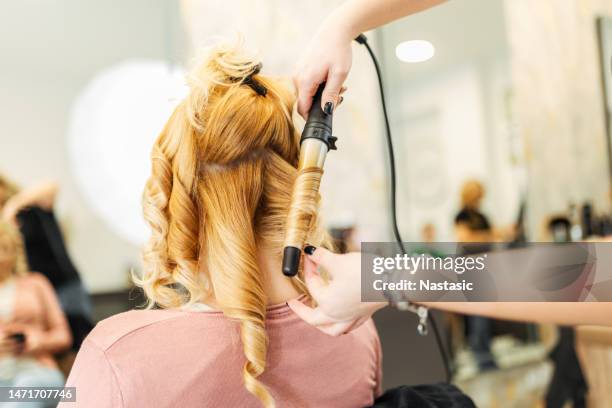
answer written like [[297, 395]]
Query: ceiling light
[[414, 51]]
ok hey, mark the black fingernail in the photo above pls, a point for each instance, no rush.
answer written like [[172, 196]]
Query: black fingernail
[[341, 99], [309, 249], [329, 108]]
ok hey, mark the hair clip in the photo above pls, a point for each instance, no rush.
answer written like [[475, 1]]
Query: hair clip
[[253, 83], [256, 69]]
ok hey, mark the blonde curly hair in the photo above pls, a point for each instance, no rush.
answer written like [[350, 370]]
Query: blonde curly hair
[[11, 243], [220, 188], [7, 190]]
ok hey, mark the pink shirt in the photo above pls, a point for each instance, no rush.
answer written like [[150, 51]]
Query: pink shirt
[[173, 358]]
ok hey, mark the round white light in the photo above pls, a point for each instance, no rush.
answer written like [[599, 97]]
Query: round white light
[[414, 51], [113, 125]]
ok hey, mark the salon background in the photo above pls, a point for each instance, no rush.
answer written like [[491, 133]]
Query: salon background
[[502, 136]]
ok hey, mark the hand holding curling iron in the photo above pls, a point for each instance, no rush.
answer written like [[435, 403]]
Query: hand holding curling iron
[[339, 308]]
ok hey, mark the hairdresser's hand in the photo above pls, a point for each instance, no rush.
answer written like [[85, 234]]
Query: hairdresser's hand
[[339, 308], [328, 59]]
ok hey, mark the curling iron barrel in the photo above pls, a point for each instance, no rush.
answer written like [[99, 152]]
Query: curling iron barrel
[[315, 142]]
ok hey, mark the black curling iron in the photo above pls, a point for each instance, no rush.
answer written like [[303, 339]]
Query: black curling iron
[[315, 142]]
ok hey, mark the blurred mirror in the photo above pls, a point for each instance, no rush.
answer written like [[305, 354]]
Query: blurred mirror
[[461, 166]]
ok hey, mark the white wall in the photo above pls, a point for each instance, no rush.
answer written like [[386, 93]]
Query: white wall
[[559, 103]]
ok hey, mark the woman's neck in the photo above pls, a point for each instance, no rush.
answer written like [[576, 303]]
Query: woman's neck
[[277, 286]]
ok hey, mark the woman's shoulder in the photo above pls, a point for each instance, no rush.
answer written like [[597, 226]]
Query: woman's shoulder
[[120, 326]]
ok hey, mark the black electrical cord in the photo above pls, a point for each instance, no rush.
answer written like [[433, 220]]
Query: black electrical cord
[[362, 39]]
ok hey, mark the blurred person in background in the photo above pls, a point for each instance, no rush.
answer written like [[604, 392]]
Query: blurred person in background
[[345, 239], [428, 233], [472, 226], [428, 242], [568, 382], [342, 237], [32, 325], [31, 209]]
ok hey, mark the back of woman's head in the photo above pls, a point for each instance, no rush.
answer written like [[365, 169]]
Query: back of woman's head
[[472, 192], [222, 175]]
